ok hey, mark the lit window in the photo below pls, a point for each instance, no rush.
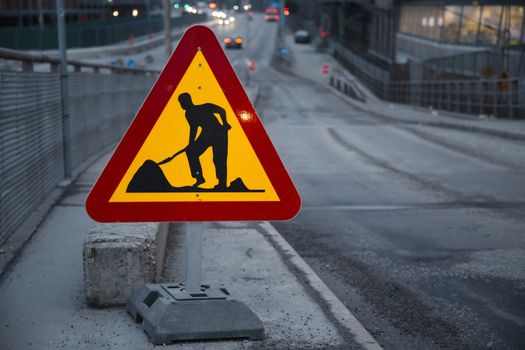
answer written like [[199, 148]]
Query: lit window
[[451, 20], [515, 24], [469, 24], [421, 21], [490, 24]]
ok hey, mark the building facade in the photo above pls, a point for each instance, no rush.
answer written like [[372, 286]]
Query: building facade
[[394, 31], [431, 29]]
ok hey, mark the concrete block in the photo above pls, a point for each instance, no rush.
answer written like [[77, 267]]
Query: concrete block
[[121, 258]]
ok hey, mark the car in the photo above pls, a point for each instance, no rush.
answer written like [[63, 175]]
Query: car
[[226, 20], [271, 14], [233, 43], [302, 37]]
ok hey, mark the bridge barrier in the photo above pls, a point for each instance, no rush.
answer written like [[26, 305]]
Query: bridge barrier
[[102, 101]]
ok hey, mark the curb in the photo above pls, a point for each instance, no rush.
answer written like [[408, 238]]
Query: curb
[[346, 321]]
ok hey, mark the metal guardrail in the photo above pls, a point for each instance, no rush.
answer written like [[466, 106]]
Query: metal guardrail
[[371, 75], [28, 60], [495, 97], [102, 102], [346, 84]]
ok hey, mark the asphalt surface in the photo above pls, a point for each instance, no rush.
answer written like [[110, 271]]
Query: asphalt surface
[[417, 229]]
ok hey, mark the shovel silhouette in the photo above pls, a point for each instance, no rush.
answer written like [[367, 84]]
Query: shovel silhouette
[[169, 159]]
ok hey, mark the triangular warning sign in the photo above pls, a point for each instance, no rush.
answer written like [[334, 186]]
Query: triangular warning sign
[[196, 150]]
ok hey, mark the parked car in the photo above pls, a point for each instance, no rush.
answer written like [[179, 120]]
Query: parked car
[[302, 37], [233, 43]]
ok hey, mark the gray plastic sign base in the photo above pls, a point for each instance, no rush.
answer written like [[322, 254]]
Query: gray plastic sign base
[[169, 314]]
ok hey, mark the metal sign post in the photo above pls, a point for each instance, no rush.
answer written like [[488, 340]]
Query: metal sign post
[[193, 256]]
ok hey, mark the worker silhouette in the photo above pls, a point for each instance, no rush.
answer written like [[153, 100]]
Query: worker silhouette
[[213, 133]]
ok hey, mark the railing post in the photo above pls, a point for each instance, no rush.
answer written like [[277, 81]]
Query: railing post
[[27, 66], [468, 95], [447, 86], [495, 97], [510, 98], [419, 93], [64, 91], [457, 93]]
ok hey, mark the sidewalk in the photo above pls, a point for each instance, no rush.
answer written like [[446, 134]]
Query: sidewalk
[[307, 62]]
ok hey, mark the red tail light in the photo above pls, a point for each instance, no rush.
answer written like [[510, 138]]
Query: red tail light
[[227, 40], [238, 41]]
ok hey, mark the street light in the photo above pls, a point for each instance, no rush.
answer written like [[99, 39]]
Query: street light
[[115, 13], [135, 12]]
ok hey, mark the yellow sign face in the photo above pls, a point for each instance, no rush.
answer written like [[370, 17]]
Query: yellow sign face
[[211, 156]]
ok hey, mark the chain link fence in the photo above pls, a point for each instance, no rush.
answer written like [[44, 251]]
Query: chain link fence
[[31, 159], [101, 106]]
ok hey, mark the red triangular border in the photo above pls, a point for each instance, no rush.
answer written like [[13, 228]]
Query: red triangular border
[[97, 203]]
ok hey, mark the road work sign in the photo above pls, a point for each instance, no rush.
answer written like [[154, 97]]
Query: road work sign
[[196, 150], [251, 65], [325, 69]]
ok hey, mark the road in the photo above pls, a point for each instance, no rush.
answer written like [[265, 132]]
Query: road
[[259, 46], [417, 229]]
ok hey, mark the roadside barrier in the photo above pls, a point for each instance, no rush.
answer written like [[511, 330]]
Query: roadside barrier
[[498, 97], [102, 102]]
